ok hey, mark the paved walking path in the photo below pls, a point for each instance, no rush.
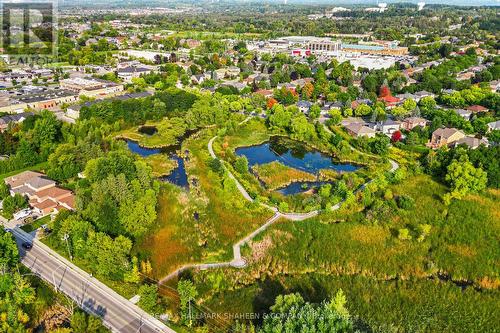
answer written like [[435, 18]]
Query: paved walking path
[[238, 261]]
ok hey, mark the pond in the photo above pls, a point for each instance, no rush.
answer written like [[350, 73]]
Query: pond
[[300, 187], [148, 130], [295, 155], [178, 176]]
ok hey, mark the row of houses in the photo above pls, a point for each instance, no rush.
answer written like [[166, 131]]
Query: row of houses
[[43, 194], [451, 137], [357, 127]]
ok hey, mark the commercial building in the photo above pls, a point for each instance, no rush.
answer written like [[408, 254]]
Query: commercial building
[[37, 98], [91, 87], [376, 48]]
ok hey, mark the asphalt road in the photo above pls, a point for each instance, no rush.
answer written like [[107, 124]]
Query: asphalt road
[[118, 313]]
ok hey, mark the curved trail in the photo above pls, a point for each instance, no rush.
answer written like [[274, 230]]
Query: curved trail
[[238, 261]]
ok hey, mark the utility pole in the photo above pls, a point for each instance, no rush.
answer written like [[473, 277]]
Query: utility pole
[[65, 238]]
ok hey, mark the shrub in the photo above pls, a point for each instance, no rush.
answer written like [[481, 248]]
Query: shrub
[[216, 166], [405, 202], [404, 234]]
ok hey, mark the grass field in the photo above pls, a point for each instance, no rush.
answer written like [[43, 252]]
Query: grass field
[[169, 130], [419, 285], [160, 164], [276, 175], [200, 225], [172, 243]]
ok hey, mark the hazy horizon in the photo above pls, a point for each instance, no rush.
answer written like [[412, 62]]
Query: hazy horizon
[[303, 2]]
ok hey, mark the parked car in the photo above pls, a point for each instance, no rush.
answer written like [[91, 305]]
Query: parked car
[[27, 245], [22, 214]]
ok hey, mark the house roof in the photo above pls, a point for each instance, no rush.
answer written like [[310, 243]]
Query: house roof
[[415, 120], [390, 122], [39, 182], [45, 204], [494, 125], [69, 201], [359, 128], [21, 178], [471, 141], [15, 117], [477, 108], [23, 190], [463, 112], [389, 99], [445, 132], [54, 193]]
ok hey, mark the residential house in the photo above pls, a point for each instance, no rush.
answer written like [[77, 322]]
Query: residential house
[[495, 86], [327, 107], [494, 125], [266, 93], [237, 85], [387, 127], [466, 114], [421, 94], [412, 122], [219, 74], [301, 82], [198, 79], [5, 121], [43, 194], [444, 137], [360, 130], [390, 101], [477, 108], [233, 71], [471, 142], [352, 120], [304, 106], [358, 102]]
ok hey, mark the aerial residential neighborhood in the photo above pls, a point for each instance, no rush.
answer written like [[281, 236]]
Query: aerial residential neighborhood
[[277, 166]]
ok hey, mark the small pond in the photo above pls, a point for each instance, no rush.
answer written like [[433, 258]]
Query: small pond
[[178, 176], [148, 130], [300, 187], [296, 155]]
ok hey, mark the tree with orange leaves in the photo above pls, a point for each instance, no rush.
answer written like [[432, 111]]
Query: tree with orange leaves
[[271, 102], [385, 91], [307, 90]]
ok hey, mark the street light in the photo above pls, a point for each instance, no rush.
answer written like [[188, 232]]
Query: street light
[[65, 238]]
